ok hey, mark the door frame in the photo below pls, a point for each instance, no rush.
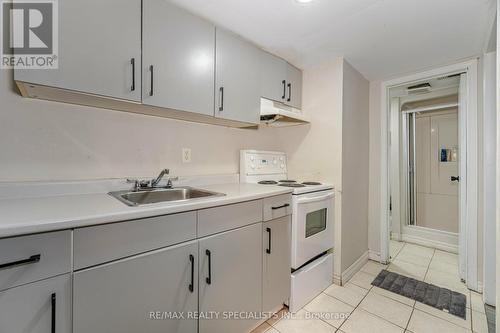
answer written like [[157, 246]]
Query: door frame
[[469, 149]]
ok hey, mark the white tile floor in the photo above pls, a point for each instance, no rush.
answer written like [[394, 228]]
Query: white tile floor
[[358, 307]]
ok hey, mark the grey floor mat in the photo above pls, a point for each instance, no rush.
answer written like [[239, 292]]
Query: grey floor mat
[[439, 298]]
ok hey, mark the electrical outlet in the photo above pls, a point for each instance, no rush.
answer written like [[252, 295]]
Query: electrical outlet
[[186, 155]]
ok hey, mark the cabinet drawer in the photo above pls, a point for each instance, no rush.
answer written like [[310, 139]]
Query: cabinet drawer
[[278, 206], [30, 258], [218, 219], [37, 307], [104, 243]]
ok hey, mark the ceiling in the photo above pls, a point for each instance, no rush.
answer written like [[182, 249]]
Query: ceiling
[[381, 38]]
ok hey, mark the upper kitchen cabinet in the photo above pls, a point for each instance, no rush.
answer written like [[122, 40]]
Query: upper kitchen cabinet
[[293, 87], [99, 51], [237, 78], [178, 58], [280, 81], [273, 77]]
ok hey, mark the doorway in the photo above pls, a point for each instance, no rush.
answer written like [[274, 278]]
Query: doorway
[[430, 175], [429, 167]]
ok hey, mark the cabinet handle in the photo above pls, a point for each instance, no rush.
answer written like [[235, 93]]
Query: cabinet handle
[[132, 62], [268, 250], [289, 92], [284, 89], [31, 260], [221, 93], [53, 305], [191, 286], [455, 179], [279, 207], [209, 277], [151, 91]]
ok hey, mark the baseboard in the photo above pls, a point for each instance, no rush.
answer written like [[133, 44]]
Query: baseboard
[[430, 243], [373, 255], [354, 268], [396, 236]]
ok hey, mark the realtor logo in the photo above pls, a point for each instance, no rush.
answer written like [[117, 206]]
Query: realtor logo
[[29, 34]]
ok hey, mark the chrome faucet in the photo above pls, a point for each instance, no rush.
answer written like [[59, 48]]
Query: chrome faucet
[[141, 185], [155, 182]]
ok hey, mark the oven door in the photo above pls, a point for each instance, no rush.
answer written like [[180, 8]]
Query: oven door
[[312, 226]]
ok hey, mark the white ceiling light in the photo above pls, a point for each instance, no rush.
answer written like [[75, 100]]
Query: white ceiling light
[[304, 1]]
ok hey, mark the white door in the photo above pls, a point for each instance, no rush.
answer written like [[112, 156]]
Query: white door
[[436, 164], [444, 146], [312, 226]]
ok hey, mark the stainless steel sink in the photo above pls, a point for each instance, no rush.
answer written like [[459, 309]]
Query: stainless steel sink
[[150, 196]]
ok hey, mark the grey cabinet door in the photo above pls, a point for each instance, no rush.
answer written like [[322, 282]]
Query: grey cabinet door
[[231, 278], [97, 42], [125, 296], [276, 263], [30, 308], [178, 58], [237, 78], [273, 77], [294, 87]]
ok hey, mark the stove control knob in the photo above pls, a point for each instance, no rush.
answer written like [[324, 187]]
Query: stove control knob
[[275, 162], [281, 158], [252, 158], [253, 166], [282, 166]]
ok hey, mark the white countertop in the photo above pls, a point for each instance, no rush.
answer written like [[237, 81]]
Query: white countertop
[[40, 214]]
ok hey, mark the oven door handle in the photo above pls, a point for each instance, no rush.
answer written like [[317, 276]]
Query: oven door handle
[[315, 199]]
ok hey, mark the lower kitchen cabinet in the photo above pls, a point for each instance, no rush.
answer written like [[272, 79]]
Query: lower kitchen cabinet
[[231, 279], [138, 294], [38, 307], [276, 263]]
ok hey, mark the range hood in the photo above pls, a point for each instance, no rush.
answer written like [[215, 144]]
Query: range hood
[[277, 114]]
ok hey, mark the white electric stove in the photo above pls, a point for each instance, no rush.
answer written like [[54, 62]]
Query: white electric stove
[[312, 222]]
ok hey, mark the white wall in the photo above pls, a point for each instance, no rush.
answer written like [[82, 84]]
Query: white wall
[[314, 150], [355, 172], [41, 140], [54, 141]]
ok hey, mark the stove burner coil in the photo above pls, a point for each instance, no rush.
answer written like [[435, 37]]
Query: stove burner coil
[[268, 182]]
